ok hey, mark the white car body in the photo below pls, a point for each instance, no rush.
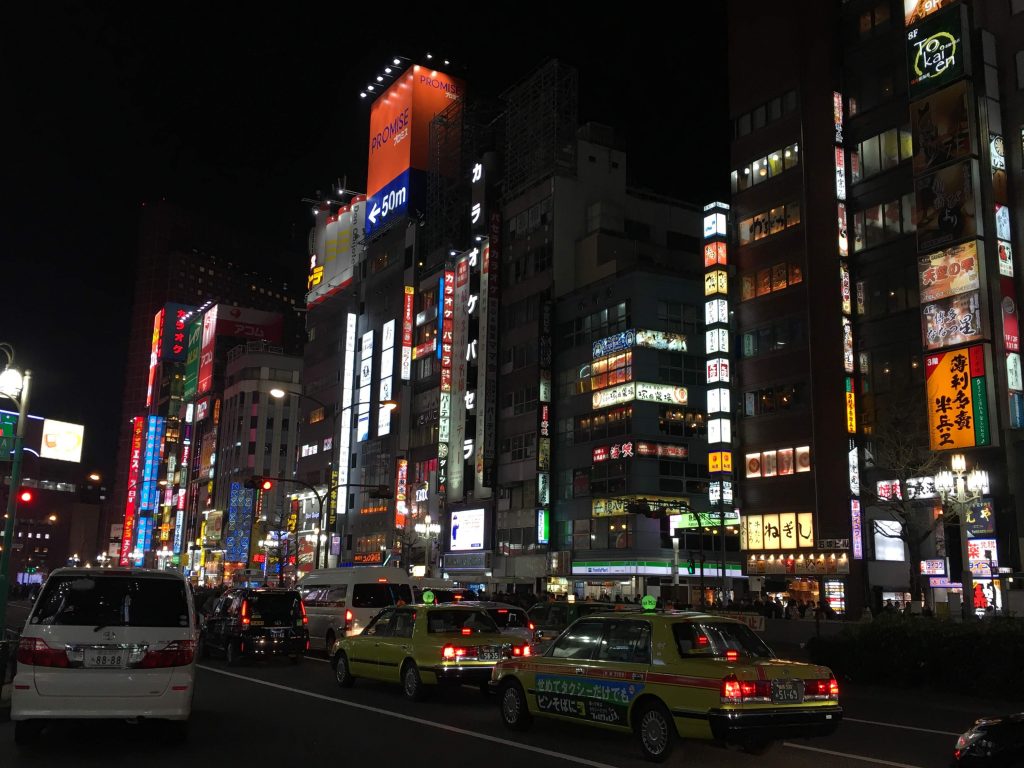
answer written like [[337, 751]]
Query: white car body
[[330, 596], [520, 630], [75, 688]]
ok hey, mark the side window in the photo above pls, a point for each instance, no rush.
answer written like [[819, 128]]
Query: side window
[[335, 595], [558, 616], [381, 624], [403, 624], [628, 641], [538, 614], [580, 641], [234, 606]]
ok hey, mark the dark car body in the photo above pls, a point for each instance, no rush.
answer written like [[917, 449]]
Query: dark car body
[[255, 623], [992, 742], [550, 619]]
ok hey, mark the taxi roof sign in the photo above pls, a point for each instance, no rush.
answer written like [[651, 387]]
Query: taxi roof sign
[[428, 597], [648, 603]]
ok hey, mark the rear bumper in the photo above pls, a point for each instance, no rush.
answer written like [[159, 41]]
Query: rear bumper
[[28, 704], [772, 724], [461, 675], [261, 646]]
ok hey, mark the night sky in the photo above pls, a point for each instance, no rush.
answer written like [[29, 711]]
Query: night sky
[[244, 113]]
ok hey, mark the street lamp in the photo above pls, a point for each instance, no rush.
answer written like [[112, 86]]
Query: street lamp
[[324, 513], [164, 555], [102, 558], [429, 531], [14, 385], [960, 489]]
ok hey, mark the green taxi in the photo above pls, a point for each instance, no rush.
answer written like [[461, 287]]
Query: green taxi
[[663, 675], [421, 646]]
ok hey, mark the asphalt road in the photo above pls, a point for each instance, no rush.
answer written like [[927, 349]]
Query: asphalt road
[[270, 712]]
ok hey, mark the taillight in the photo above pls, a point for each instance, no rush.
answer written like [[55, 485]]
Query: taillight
[[531, 626], [245, 613], [702, 641], [33, 651], [732, 655], [466, 631], [821, 689], [735, 691], [520, 650], [348, 618], [176, 654], [305, 619], [451, 652]]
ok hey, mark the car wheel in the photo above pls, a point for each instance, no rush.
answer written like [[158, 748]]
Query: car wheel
[[412, 683], [329, 642], [232, 654], [656, 731], [514, 711], [342, 673], [758, 746], [27, 731]]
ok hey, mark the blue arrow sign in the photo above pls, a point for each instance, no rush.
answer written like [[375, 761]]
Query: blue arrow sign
[[388, 203]]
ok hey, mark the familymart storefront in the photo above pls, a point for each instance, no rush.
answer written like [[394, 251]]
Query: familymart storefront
[[632, 579]]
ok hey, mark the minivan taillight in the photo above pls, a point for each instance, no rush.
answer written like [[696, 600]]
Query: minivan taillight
[[245, 613], [305, 618], [348, 618], [175, 654], [33, 651]]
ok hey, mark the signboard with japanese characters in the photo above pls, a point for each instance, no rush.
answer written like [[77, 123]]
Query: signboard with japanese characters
[[786, 530], [949, 272], [957, 399]]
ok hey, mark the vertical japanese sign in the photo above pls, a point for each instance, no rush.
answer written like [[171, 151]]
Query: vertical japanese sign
[[408, 308], [401, 493], [343, 440], [445, 349], [544, 363], [365, 378], [461, 353], [154, 353], [957, 399], [387, 366], [487, 371], [135, 463]]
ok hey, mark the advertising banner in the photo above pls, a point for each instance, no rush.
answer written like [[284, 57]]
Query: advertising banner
[[239, 526], [175, 342], [957, 399], [949, 272], [446, 351], [461, 352], [147, 499], [936, 51], [194, 345], [952, 321], [135, 464], [206, 350], [467, 530], [916, 10], [487, 373], [408, 305], [941, 127], [946, 207], [61, 441]]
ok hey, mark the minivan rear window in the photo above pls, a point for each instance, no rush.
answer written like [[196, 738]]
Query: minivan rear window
[[112, 601], [508, 617], [380, 595], [275, 606]]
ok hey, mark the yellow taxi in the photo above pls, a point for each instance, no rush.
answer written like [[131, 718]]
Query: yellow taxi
[[663, 675], [421, 646]]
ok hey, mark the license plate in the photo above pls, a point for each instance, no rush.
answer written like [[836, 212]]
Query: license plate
[[104, 659], [277, 632], [488, 653], [787, 691]]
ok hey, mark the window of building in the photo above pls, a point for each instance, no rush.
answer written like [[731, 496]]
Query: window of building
[[610, 423], [783, 334], [768, 167], [880, 153], [769, 400], [609, 477], [778, 277], [604, 322], [888, 543], [681, 422], [873, 19], [769, 222], [876, 224]]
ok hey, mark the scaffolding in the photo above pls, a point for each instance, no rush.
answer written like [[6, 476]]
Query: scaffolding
[[541, 118]]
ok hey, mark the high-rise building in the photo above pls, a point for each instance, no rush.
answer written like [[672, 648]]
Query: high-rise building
[[877, 333], [187, 260]]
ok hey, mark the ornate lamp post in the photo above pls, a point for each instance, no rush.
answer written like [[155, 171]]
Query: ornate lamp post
[[960, 489], [429, 531]]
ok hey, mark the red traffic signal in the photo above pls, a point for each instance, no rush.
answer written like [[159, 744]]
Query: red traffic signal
[[25, 496], [259, 483], [266, 485]]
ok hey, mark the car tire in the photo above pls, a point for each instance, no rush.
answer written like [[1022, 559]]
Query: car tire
[[515, 712], [342, 671], [329, 642], [412, 683], [232, 654], [655, 730], [27, 732]]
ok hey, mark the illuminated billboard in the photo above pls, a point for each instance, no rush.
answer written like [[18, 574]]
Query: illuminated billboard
[[936, 51], [915, 10], [467, 530], [399, 140], [941, 127], [135, 463], [206, 349], [61, 441], [949, 272], [194, 344], [946, 209], [957, 399], [952, 321]]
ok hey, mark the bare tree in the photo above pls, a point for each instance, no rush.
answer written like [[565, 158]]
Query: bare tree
[[900, 453]]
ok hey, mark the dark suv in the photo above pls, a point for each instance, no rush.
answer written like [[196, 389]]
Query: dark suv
[[256, 623]]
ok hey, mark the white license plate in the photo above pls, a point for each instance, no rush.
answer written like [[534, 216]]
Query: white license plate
[[787, 691], [105, 659], [488, 653]]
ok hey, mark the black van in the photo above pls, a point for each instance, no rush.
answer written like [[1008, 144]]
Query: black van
[[256, 623]]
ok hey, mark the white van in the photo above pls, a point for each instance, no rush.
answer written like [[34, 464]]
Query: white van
[[444, 590], [341, 601], [106, 643]]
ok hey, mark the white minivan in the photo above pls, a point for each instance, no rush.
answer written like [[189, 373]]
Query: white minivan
[[341, 601], [106, 643]]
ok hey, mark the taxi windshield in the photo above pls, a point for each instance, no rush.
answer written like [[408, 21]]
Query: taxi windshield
[[714, 639]]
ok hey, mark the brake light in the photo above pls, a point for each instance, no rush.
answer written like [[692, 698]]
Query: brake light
[[382, 580], [457, 596], [531, 626], [305, 618], [735, 691], [503, 610], [451, 652], [33, 651], [701, 641], [732, 655], [179, 653], [466, 631], [520, 650], [245, 613], [833, 687], [348, 618], [822, 689]]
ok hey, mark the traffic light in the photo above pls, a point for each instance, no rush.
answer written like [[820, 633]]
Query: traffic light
[[691, 567], [260, 483], [25, 495]]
